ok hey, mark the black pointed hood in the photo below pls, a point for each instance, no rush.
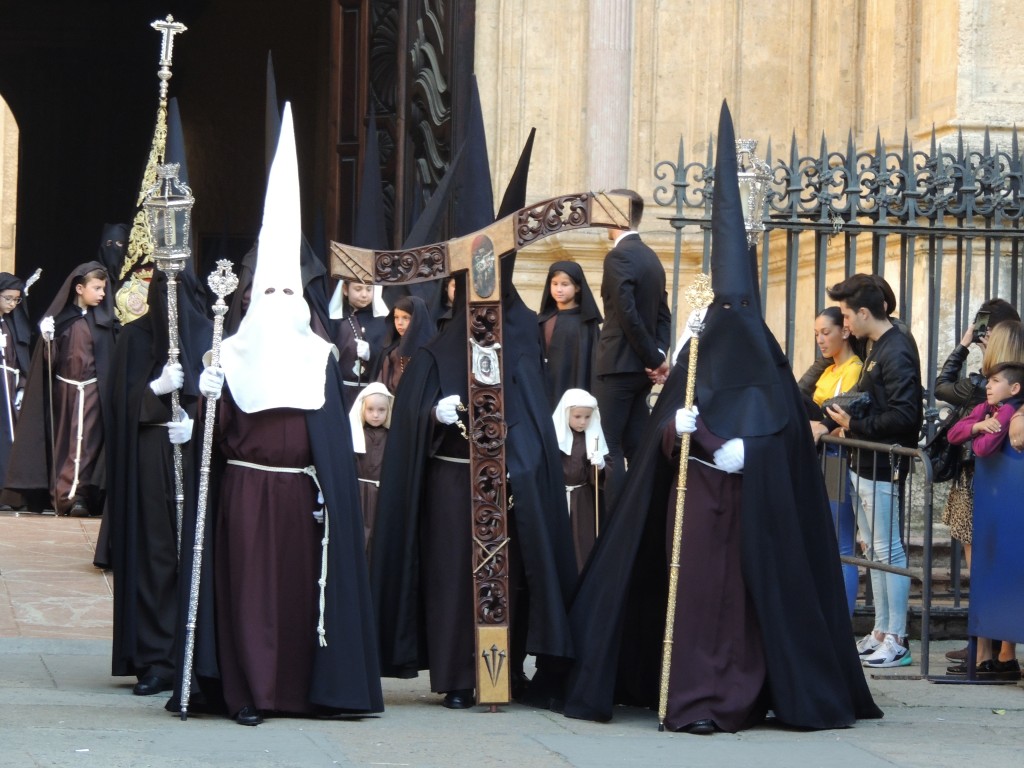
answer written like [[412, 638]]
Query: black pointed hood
[[738, 386], [371, 228], [515, 193]]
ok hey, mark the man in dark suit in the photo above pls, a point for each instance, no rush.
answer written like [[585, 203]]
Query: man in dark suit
[[631, 353]]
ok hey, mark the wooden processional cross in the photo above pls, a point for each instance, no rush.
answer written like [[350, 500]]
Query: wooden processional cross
[[480, 254]]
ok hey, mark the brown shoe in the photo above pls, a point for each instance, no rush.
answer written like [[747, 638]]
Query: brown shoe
[[960, 655]]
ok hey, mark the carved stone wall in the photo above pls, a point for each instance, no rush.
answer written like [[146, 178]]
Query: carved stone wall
[[790, 69]]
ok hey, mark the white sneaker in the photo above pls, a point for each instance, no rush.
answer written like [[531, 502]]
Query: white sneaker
[[889, 654], [867, 645]]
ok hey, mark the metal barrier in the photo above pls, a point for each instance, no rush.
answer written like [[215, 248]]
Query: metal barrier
[[914, 514]]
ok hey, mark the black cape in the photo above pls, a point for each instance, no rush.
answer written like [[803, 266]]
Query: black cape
[[533, 462], [790, 566], [139, 357]]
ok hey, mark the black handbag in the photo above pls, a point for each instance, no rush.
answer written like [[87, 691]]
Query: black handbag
[[947, 459], [856, 404]]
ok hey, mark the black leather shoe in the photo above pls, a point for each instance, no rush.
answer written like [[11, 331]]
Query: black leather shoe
[[151, 685], [79, 509], [462, 699], [248, 716], [699, 727]]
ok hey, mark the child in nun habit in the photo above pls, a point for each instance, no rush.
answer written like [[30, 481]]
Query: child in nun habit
[[581, 441], [370, 419]]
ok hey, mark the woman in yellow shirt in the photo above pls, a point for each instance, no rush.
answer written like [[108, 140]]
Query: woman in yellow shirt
[[833, 339]]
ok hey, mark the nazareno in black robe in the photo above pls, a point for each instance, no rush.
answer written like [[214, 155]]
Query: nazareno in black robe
[[569, 356], [789, 564], [787, 552], [15, 325], [540, 532], [138, 538], [28, 480]]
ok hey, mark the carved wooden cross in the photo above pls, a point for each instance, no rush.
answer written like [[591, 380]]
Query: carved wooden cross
[[480, 254]]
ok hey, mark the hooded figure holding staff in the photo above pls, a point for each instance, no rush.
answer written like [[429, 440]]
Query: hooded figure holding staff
[[758, 557]]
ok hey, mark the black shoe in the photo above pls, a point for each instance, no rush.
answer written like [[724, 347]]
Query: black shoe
[[248, 716], [1007, 670], [519, 686], [462, 699], [150, 685], [79, 509], [699, 727]]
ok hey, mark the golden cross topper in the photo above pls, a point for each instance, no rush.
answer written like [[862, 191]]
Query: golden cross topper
[[699, 294]]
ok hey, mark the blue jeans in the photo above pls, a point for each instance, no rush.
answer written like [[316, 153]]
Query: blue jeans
[[845, 522], [878, 514]]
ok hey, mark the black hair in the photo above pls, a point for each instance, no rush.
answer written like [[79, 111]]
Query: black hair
[[861, 291]]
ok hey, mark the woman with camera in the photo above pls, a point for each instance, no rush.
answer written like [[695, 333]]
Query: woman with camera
[[964, 393]]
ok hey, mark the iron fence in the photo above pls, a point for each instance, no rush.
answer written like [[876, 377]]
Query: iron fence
[[949, 222]]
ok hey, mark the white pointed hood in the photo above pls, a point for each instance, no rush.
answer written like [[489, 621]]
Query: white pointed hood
[[275, 360]]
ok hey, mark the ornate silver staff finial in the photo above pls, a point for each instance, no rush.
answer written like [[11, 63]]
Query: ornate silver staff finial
[[168, 28], [222, 281]]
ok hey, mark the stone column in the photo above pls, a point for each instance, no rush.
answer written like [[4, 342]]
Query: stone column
[[609, 66]]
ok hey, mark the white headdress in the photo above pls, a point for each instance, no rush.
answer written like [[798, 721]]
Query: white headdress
[[275, 360], [336, 307], [355, 415], [578, 398]]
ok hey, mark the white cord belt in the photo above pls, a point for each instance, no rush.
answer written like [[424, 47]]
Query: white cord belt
[[367, 480], [311, 471], [80, 385], [452, 459], [14, 371], [568, 494]]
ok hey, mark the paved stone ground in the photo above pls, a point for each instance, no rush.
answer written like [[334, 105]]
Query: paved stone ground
[[60, 707]]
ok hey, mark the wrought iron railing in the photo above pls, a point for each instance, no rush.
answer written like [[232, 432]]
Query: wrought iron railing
[[936, 215]]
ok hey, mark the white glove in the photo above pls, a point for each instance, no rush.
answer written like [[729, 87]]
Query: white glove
[[171, 378], [686, 420], [446, 409], [729, 458], [211, 382], [179, 432], [46, 327], [362, 349], [596, 460], [18, 398]]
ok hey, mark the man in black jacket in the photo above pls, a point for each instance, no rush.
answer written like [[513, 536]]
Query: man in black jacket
[[892, 377], [631, 353]]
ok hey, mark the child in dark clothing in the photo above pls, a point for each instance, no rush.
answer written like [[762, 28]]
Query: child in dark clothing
[[370, 418], [988, 423], [987, 426], [568, 322], [581, 440]]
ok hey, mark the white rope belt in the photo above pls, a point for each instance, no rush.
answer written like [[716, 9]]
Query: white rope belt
[[452, 459], [367, 480], [709, 464], [80, 385], [352, 383], [568, 494], [311, 472], [16, 372]]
